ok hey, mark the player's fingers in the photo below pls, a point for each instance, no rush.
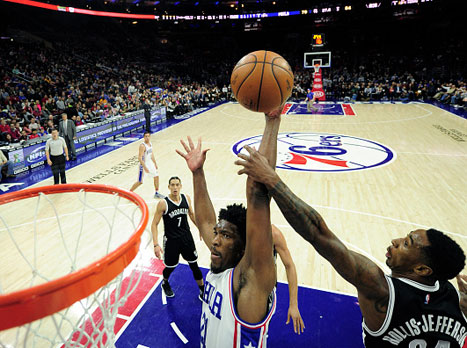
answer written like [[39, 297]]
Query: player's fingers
[[190, 142], [185, 146], [296, 329], [242, 156], [242, 171], [205, 151], [180, 153], [241, 163], [198, 146], [299, 325], [249, 149]]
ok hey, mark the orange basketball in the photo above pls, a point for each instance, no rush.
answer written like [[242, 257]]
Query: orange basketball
[[262, 81]]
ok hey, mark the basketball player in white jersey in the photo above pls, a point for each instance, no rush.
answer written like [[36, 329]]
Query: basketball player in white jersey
[[415, 306], [147, 165], [239, 295]]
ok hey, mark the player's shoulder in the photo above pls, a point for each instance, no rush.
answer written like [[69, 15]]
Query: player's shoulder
[[277, 235], [162, 205], [188, 198], [162, 202]]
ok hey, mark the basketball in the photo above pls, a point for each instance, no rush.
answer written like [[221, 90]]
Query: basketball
[[262, 81]]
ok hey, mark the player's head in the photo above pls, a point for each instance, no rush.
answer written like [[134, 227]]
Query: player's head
[[228, 245], [426, 253], [175, 185], [146, 136], [445, 257]]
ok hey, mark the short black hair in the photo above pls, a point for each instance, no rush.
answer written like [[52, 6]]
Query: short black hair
[[236, 215], [147, 132], [445, 257], [175, 177]]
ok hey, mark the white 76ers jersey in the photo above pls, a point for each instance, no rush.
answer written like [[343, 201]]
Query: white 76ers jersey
[[220, 325], [147, 153]]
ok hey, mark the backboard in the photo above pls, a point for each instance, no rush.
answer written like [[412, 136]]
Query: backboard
[[310, 59]]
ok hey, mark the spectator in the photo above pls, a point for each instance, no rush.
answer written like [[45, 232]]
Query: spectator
[[4, 162], [79, 122], [34, 134], [4, 127]]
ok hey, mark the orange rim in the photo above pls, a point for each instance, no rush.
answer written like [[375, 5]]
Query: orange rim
[[24, 306]]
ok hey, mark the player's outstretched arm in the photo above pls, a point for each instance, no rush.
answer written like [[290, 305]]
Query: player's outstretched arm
[[360, 271], [160, 208], [205, 216], [255, 275], [281, 247]]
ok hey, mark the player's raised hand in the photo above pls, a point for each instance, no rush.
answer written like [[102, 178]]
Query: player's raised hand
[[257, 167], [276, 113], [194, 156]]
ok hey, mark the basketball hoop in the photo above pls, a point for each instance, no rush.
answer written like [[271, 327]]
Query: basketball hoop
[[68, 255], [316, 68]]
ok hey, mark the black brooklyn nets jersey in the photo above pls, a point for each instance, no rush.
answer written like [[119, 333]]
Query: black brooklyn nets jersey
[[176, 219], [420, 316]]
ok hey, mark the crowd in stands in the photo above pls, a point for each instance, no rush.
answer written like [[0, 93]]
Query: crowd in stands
[[40, 83], [389, 78], [405, 88]]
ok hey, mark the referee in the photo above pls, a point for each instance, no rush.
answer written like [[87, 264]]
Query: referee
[[56, 152]]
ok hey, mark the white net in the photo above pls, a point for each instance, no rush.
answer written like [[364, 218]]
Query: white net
[[49, 236], [315, 69]]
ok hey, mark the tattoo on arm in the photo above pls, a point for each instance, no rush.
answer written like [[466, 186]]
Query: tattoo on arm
[[303, 218], [360, 271], [259, 194]]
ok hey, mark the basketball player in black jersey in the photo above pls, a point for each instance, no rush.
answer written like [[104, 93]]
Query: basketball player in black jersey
[[174, 210], [416, 306]]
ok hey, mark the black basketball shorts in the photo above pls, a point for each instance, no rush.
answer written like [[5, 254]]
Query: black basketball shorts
[[173, 248]]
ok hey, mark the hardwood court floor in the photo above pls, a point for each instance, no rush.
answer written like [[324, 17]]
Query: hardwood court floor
[[424, 186]]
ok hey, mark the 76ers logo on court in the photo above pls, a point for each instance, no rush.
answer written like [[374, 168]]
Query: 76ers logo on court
[[318, 152]]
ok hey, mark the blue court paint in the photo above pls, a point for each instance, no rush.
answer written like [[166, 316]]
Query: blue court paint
[[462, 112], [323, 109], [332, 320]]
